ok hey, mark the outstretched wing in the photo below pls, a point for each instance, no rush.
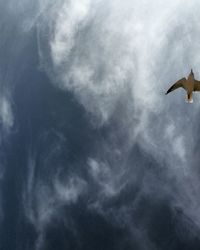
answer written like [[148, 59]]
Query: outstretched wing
[[178, 84], [196, 85]]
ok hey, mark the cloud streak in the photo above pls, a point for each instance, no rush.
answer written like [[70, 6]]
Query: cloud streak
[[130, 52]]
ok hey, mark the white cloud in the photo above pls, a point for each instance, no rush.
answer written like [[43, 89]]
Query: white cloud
[[43, 200], [43, 204], [70, 191], [104, 176], [118, 58], [6, 114], [68, 21], [103, 50]]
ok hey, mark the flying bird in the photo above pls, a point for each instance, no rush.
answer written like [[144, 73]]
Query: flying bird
[[190, 84]]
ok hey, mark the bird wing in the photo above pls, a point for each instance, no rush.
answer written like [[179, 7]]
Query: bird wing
[[196, 85], [178, 84]]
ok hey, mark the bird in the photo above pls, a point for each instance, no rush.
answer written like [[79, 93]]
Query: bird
[[189, 85]]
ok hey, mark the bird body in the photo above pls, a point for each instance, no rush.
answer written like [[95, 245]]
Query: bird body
[[190, 84]]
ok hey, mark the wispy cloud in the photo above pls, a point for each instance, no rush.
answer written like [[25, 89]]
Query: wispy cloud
[[118, 59], [6, 114], [44, 197]]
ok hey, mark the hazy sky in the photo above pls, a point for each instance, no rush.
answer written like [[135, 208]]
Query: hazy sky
[[93, 154]]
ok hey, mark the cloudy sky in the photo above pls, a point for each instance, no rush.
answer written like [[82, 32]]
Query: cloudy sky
[[93, 154]]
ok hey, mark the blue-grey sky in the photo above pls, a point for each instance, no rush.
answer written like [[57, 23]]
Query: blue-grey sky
[[93, 154]]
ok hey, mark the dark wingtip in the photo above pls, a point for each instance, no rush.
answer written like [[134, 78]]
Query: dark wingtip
[[166, 93]]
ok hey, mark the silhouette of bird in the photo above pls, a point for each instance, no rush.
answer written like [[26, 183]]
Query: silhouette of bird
[[190, 84]]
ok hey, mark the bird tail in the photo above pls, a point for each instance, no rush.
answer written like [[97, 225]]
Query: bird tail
[[189, 98]]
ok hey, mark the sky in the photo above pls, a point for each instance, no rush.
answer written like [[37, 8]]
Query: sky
[[93, 154]]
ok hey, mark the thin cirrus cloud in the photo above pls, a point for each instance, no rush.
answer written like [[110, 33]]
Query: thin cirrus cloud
[[44, 199], [105, 52], [6, 114], [118, 59], [100, 50]]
